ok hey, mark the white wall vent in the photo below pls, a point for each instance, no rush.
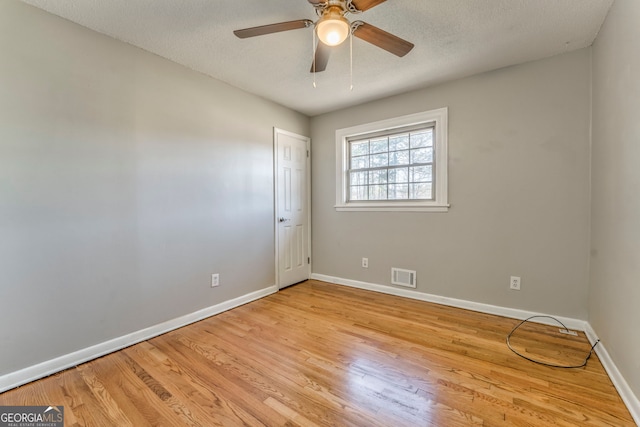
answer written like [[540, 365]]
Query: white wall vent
[[403, 277]]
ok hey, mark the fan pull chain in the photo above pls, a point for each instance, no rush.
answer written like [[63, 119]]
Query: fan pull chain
[[313, 51], [350, 60]]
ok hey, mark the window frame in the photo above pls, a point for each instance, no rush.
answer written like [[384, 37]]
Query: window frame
[[439, 119]]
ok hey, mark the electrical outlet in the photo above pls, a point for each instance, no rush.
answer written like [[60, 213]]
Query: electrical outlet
[[514, 283], [215, 280], [365, 262]]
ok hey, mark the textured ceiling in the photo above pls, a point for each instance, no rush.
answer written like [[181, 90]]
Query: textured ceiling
[[453, 38]]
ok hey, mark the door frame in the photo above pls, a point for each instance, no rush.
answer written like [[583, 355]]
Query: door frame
[[276, 132]]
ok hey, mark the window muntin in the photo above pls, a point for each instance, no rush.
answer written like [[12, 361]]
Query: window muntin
[[394, 166]]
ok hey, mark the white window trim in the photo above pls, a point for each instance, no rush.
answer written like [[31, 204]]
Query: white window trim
[[440, 204]]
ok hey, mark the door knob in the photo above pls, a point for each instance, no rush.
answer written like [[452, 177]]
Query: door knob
[[283, 219]]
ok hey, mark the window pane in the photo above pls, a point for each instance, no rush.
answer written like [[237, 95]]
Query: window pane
[[359, 148], [358, 178], [430, 155], [377, 192], [361, 162], [359, 193], [422, 139], [379, 145], [421, 173], [422, 155], [399, 142], [378, 177], [398, 191], [378, 160], [398, 175], [420, 191], [399, 158]]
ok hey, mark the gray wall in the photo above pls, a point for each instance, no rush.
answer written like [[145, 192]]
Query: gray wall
[[518, 188], [125, 181], [614, 298]]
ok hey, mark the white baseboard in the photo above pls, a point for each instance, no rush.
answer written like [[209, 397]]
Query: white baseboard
[[630, 399], [41, 370], [453, 302], [625, 392]]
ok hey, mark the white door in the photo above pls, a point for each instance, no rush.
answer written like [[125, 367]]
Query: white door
[[292, 207]]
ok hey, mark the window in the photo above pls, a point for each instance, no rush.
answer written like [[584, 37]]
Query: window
[[396, 164]]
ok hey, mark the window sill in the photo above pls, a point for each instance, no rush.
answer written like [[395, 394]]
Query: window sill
[[400, 207]]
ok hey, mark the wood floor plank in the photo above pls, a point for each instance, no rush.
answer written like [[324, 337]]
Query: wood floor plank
[[318, 354], [184, 385], [290, 379], [103, 397], [231, 403]]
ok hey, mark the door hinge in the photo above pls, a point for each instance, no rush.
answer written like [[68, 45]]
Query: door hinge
[[308, 260], [307, 153]]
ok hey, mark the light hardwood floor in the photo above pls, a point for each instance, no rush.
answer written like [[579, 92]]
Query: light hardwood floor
[[318, 354]]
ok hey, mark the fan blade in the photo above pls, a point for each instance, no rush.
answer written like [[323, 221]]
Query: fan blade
[[322, 58], [318, 2], [363, 5], [382, 39], [273, 28]]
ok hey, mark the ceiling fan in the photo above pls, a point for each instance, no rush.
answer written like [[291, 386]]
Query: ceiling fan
[[332, 28]]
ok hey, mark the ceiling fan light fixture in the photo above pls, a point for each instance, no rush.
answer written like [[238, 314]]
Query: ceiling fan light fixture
[[332, 28]]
